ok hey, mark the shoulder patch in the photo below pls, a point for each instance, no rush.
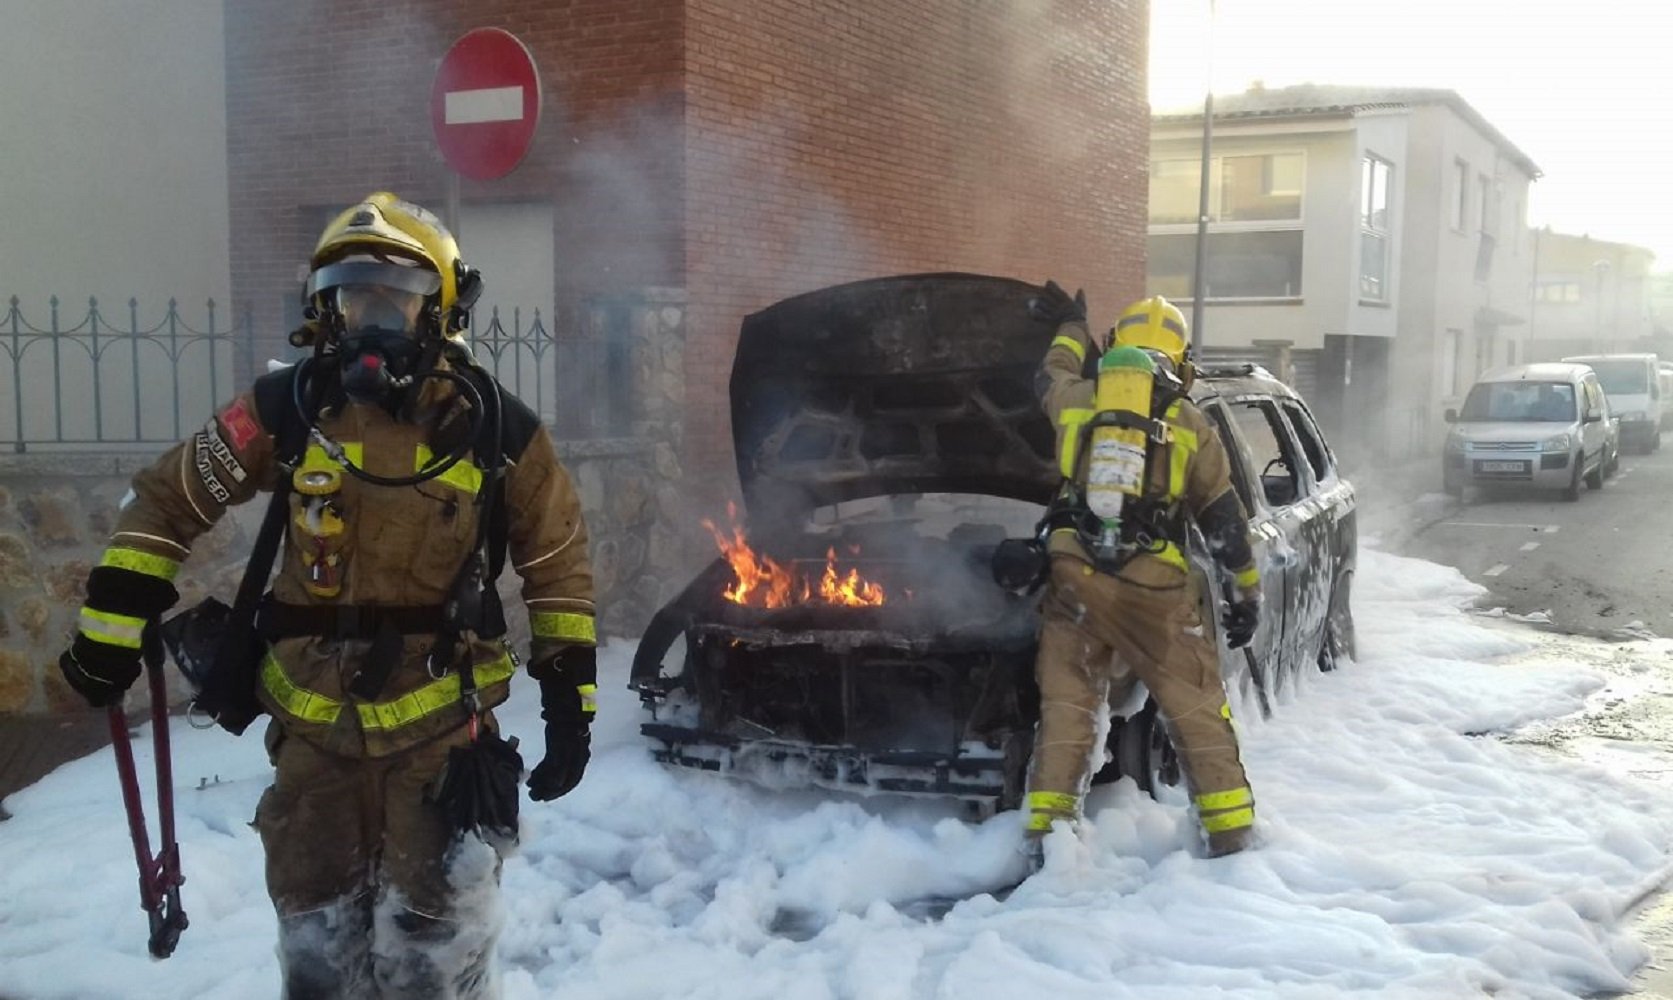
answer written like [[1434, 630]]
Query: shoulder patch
[[241, 427]]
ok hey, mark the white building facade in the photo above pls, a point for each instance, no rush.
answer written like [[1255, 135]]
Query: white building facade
[[1369, 243]]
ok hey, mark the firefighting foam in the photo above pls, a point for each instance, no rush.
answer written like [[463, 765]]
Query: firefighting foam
[[760, 581]]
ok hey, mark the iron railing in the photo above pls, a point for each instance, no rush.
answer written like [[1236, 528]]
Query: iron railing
[[99, 384]]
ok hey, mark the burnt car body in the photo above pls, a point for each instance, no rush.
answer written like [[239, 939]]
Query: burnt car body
[[920, 389]]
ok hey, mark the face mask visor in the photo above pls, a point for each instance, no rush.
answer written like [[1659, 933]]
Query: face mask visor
[[374, 296]]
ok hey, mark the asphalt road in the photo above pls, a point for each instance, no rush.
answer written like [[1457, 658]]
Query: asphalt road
[[1601, 566]]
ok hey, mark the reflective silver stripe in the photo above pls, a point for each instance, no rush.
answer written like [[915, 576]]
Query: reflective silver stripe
[[111, 628]]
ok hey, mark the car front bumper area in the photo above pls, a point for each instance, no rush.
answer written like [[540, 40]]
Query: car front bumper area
[[778, 763], [1538, 470]]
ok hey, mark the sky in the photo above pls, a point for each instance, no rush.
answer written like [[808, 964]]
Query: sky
[[1580, 87], [1417, 839]]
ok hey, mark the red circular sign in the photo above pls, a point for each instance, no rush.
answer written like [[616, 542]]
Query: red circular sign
[[485, 103]]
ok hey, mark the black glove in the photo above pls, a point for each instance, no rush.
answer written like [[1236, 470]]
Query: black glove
[[103, 660], [1053, 305], [1020, 564], [568, 682], [1241, 617]]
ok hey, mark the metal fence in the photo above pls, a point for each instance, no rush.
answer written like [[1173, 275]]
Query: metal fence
[[104, 383]]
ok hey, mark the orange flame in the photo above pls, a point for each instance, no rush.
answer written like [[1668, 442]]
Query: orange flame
[[760, 581]]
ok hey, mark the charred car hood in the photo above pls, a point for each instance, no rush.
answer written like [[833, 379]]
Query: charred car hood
[[915, 383]]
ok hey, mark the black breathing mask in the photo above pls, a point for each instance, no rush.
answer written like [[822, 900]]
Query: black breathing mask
[[379, 350], [374, 366]]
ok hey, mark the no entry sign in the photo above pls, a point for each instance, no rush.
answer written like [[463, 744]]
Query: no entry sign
[[485, 103]]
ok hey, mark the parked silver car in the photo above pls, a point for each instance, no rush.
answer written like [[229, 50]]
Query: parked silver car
[[1546, 426]]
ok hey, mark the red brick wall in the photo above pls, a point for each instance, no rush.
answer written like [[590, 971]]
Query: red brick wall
[[834, 141], [744, 149]]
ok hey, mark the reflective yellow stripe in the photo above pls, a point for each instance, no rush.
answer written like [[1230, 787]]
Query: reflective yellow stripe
[[462, 476], [432, 697], [160, 567], [589, 697], [1171, 555], [316, 458], [1249, 579], [1184, 445], [112, 629], [1226, 711], [565, 625], [1235, 820], [1229, 799], [1071, 419], [1072, 344], [311, 706], [1043, 807]]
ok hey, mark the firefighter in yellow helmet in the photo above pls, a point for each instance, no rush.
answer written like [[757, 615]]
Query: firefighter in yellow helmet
[[1137, 459], [403, 477]]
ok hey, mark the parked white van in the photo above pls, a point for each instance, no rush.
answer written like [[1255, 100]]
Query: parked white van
[[1542, 425], [1633, 383]]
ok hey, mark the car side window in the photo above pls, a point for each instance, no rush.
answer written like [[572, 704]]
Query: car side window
[[1270, 450], [1234, 454], [1312, 443]]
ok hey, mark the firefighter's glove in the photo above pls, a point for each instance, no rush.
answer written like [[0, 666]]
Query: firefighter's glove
[[1053, 305], [1020, 564], [103, 660], [568, 688], [1241, 617]]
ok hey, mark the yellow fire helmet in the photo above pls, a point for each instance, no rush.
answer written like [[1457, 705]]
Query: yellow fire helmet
[[1153, 324], [386, 242]]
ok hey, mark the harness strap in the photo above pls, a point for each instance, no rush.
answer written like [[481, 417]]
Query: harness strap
[[277, 620]]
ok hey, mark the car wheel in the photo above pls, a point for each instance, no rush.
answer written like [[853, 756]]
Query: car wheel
[[1594, 478], [1572, 493], [1655, 441], [1613, 463], [1339, 642], [1453, 486], [1144, 753]]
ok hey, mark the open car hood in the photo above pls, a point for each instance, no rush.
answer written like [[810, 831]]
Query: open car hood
[[907, 384]]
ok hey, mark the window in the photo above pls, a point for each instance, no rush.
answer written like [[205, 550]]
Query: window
[[1254, 226], [1312, 445], [1521, 401], [1489, 206], [1260, 188], [1239, 473], [1270, 451], [1240, 265], [1557, 291], [1374, 228], [1173, 191], [1460, 194]]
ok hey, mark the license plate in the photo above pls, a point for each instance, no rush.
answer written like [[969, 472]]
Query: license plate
[[1504, 466]]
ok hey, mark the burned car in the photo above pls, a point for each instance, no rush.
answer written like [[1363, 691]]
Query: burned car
[[850, 631]]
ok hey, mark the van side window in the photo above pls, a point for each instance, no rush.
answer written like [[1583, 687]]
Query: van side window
[[1312, 445], [1234, 454], [1270, 450]]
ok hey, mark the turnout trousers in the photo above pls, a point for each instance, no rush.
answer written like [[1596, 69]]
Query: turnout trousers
[[1099, 634], [377, 897]]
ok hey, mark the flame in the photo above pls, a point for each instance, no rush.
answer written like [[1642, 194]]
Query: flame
[[760, 581]]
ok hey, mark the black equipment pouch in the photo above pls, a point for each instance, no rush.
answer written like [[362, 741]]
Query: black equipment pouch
[[1020, 564]]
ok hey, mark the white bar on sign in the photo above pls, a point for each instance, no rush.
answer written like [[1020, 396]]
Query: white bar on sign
[[490, 104]]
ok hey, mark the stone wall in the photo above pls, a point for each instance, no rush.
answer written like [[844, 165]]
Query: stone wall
[[57, 511]]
